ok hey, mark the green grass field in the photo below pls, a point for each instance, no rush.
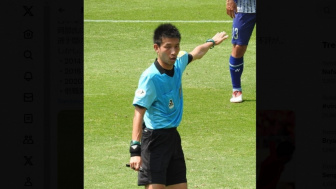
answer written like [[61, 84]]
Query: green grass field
[[218, 137]]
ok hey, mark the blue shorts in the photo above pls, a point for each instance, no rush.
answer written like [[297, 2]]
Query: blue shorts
[[242, 28]]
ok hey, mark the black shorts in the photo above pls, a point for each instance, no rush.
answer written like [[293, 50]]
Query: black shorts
[[162, 158]]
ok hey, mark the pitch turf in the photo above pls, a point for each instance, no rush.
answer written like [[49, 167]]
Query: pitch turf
[[218, 137]]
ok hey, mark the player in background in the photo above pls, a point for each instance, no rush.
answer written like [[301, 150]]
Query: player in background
[[156, 144], [243, 13]]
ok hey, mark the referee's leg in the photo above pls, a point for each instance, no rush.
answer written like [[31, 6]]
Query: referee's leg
[[161, 186], [155, 186], [178, 186]]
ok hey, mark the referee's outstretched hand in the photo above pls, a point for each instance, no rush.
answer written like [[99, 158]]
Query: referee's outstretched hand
[[220, 37]]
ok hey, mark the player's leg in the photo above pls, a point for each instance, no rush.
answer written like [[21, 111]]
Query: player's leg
[[238, 51], [236, 70], [242, 28]]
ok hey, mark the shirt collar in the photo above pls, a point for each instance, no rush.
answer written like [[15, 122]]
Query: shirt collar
[[162, 70]]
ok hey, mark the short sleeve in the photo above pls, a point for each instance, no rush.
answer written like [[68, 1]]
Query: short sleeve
[[182, 60], [145, 93]]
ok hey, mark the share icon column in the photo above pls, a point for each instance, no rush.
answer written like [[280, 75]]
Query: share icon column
[[32, 70], [41, 94], [22, 94]]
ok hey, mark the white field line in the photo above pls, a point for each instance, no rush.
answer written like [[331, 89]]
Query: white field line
[[161, 21]]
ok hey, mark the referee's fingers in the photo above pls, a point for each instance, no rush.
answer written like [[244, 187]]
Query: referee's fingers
[[136, 166]]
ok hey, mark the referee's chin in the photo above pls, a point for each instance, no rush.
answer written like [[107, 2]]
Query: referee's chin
[[169, 65]]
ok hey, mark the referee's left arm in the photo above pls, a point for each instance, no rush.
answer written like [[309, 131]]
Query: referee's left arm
[[201, 50]]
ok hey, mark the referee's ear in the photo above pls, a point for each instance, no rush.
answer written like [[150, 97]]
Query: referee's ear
[[156, 47]]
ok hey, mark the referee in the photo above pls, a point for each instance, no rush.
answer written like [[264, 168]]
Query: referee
[[158, 101]]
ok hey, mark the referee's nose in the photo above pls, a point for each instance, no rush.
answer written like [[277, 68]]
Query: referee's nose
[[175, 51]]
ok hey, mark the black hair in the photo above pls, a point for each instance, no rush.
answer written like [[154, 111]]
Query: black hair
[[165, 30]]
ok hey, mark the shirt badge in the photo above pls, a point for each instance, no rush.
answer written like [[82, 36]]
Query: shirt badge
[[140, 93], [171, 104]]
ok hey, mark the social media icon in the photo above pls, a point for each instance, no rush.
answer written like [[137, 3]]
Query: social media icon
[[28, 54], [28, 11], [28, 118], [28, 76], [28, 97], [28, 34]]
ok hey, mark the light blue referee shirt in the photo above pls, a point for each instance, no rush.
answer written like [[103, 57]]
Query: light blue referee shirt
[[162, 94]]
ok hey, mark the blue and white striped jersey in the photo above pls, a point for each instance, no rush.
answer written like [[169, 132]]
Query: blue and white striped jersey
[[246, 6]]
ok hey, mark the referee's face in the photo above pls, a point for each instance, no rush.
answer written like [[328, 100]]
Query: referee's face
[[167, 52]]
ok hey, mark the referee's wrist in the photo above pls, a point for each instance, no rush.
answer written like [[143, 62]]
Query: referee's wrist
[[135, 148], [135, 142], [213, 43]]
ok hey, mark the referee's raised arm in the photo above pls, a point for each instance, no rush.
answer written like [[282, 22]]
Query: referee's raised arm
[[201, 50]]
